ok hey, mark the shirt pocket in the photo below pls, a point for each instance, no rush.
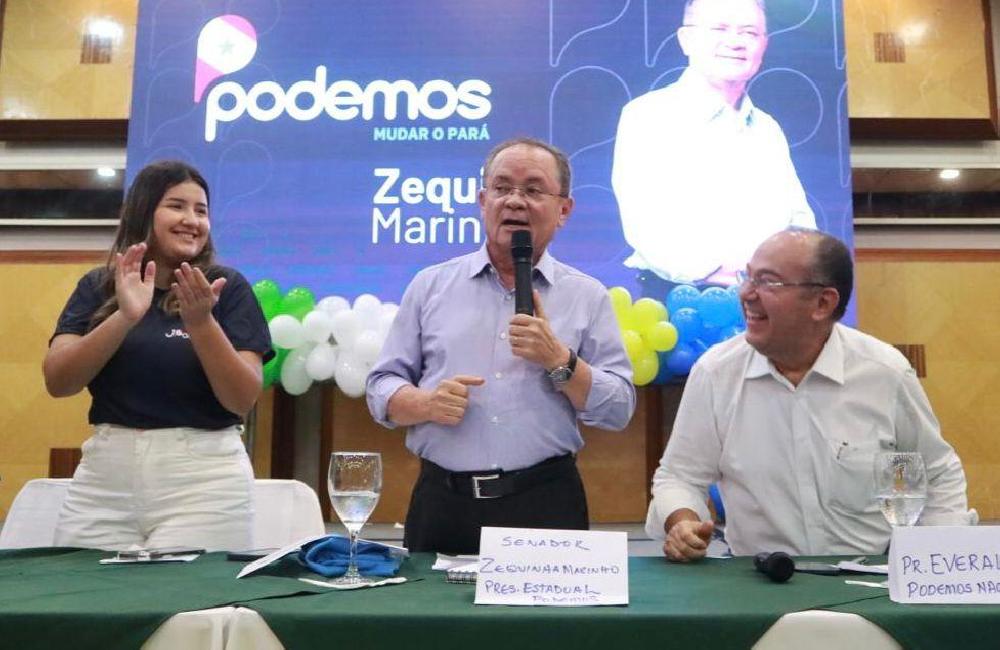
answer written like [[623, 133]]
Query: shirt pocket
[[850, 482]]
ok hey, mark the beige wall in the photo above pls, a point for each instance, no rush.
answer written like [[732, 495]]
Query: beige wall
[[944, 74], [952, 307], [41, 76], [31, 296]]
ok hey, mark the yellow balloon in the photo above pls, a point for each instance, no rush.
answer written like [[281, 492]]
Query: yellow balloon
[[626, 318], [644, 368], [634, 345], [648, 311], [620, 298], [661, 336]]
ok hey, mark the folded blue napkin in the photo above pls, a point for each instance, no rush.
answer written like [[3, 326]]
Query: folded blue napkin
[[329, 556]]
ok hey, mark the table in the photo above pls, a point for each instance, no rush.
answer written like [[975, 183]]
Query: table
[[51, 597]]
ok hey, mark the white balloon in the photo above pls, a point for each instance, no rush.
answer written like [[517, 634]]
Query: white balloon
[[366, 302], [318, 326], [350, 375], [390, 308], [346, 327], [321, 362], [333, 304], [385, 320], [286, 332], [367, 346], [294, 378]]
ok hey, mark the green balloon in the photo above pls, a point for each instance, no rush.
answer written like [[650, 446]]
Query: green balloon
[[272, 369], [298, 302], [269, 296]]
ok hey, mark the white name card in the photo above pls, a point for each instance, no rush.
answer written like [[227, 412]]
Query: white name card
[[945, 564], [564, 568]]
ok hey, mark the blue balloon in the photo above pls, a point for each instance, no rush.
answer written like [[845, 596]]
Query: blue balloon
[[700, 347], [664, 376], [681, 359], [715, 307], [735, 306], [710, 335], [688, 324], [681, 296], [729, 332]]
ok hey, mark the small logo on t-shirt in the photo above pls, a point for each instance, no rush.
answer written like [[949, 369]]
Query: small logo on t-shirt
[[177, 332]]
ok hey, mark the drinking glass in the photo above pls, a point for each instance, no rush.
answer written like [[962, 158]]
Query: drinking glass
[[355, 482], [900, 486]]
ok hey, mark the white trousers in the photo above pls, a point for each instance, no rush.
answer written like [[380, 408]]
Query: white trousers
[[160, 487]]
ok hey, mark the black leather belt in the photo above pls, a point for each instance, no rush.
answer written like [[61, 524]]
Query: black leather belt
[[490, 484]]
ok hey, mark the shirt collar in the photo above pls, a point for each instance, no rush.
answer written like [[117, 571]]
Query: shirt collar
[[829, 363], [709, 106], [480, 261]]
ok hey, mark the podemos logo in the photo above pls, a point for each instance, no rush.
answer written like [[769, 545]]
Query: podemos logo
[[228, 43]]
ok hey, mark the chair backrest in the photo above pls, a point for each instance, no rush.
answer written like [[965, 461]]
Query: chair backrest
[[286, 511], [32, 518]]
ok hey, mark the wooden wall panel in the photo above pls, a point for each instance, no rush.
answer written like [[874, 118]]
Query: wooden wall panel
[[32, 422], [41, 74], [945, 48], [952, 307]]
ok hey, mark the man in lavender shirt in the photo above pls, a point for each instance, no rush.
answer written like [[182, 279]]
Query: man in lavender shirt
[[491, 398]]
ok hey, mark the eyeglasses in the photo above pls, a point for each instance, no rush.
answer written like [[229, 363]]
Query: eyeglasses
[[742, 33], [531, 192], [760, 283]]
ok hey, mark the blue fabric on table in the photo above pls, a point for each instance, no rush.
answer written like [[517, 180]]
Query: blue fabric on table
[[329, 556]]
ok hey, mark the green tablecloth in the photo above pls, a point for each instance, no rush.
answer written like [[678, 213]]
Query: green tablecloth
[[58, 598], [712, 604], [62, 597]]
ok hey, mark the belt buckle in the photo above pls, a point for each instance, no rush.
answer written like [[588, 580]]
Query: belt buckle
[[477, 489]]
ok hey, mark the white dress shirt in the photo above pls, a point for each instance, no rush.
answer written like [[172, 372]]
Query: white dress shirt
[[699, 184], [794, 464]]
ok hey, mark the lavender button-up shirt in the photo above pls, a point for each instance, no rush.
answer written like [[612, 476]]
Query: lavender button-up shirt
[[453, 320]]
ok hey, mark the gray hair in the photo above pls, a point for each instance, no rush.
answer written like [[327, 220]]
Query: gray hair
[[562, 162], [832, 265]]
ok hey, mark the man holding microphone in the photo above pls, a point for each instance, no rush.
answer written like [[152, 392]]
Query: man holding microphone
[[492, 398]]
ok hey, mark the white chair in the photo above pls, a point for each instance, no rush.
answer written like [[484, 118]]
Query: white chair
[[287, 511]]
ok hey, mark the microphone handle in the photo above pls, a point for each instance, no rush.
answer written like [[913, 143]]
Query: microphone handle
[[523, 302]]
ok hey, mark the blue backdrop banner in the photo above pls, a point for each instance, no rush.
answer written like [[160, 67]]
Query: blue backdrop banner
[[343, 140]]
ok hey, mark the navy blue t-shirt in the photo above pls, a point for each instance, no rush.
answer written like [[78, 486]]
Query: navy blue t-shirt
[[155, 380]]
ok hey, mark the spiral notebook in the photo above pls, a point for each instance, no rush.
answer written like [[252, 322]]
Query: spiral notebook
[[459, 569]]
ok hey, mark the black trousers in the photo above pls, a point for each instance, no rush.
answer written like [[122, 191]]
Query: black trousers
[[442, 519]]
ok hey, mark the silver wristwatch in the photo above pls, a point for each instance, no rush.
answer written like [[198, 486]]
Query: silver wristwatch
[[562, 374]]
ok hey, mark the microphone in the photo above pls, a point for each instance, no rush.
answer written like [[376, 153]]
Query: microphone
[[521, 252], [777, 566]]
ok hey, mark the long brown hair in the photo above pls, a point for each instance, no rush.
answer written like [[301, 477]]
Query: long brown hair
[[136, 226]]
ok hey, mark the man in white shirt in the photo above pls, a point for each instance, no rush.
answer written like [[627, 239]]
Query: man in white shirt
[[788, 420], [701, 175]]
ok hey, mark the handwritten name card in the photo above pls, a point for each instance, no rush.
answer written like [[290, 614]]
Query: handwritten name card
[[945, 564], [565, 568]]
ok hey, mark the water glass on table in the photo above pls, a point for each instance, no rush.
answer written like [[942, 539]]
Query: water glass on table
[[355, 483], [900, 486]]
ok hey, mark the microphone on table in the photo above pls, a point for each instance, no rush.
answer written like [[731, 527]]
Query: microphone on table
[[521, 252], [777, 566]]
